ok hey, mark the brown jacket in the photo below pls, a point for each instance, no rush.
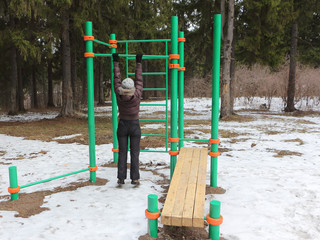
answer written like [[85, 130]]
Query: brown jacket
[[129, 106]]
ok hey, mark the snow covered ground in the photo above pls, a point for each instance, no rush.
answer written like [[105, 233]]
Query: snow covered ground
[[269, 169]]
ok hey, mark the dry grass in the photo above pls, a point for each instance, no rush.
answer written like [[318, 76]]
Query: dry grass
[[152, 142], [46, 130], [266, 130], [298, 140], [235, 140], [238, 118], [228, 134], [2, 153], [283, 153], [302, 121]]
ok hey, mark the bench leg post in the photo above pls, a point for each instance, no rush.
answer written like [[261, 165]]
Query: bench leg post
[[214, 219], [153, 208]]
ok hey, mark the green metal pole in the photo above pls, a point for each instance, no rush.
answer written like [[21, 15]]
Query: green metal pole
[[167, 92], [127, 61], [153, 208], [90, 87], [53, 178], [214, 231], [174, 91], [181, 90], [13, 181], [215, 96], [114, 107]]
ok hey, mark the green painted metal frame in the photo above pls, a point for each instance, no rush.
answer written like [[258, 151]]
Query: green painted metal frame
[[174, 92], [214, 230], [114, 107], [131, 56], [215, 96], [90, 88], [153, 208], [181, 91]]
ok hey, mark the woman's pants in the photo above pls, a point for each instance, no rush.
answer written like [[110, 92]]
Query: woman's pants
[[126, 129]]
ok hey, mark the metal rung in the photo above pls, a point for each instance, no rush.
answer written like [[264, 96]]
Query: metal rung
[[152, 104], [154, 89], [148, 40], [152, 120], [154, 151], [154, 135], [150, 73]]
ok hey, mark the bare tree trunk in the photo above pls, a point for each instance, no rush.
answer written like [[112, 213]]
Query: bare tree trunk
[[20, 86], [84, 78], [292, 71], [50, 87], [225, 95], [232, 77], [13, 110], [74, 78], [34, 88], [67, 109], [223, 16]]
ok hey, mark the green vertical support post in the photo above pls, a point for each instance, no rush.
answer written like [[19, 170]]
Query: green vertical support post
[[215, 96], [127, 61], [13, 181], [214, 231], [90, 88], [174, 91], [167, 93], [153, 208], [181, 90], [114, 107]]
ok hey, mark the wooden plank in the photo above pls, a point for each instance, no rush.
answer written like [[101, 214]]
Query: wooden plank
[[198, 212], [174, 184], [187, 214], [177, 210]]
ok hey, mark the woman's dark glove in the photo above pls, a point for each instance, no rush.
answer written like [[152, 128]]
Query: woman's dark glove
[[115, 57], [139, 57]]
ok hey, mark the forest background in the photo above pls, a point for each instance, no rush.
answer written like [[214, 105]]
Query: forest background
[[270, 48]]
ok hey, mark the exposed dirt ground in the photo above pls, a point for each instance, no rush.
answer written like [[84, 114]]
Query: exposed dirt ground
[[30, 204]]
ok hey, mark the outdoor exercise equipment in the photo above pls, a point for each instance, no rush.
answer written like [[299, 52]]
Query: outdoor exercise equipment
[[185, 181], [174, 62]]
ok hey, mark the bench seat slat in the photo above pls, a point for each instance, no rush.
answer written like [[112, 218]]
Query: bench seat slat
[[198, 213], [177, 211], [169, 203], [187, 215]]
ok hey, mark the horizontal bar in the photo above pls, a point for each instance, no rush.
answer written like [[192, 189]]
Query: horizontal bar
[[50, 179], [150, 73], [194, 139], [154, 135], [103, 43], [154, 89], [132, 56], [152, 104], [154, 151], [148, 40], [152, 120], [149, 57]]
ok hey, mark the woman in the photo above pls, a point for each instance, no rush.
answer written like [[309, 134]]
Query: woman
[[128, 93]]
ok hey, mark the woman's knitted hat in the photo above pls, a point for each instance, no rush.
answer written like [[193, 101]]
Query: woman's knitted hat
[[127, 87], [127, 83]]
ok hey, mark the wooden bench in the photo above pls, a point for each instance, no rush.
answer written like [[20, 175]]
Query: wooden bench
[[184, 205]]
